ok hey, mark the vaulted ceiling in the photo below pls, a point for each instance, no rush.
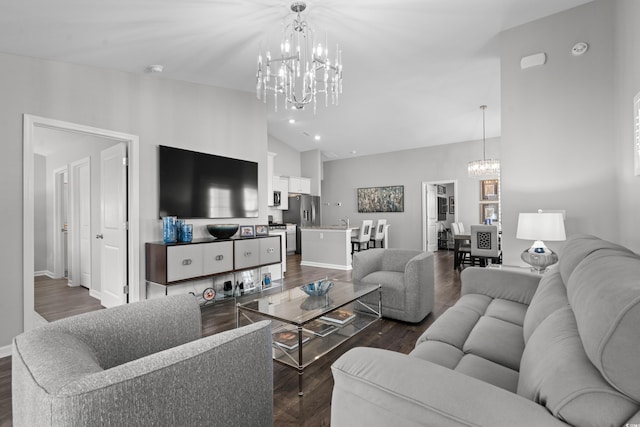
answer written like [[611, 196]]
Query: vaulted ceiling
[[415, 71]]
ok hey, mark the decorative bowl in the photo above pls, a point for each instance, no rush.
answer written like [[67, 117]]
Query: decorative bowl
[[222, 231], [318, 288]]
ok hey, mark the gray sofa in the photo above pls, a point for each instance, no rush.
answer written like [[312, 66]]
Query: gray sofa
[[514, 350], [407, 280], [142, 364]]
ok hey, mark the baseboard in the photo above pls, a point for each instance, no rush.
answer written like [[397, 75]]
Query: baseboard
[[5, 351], [323, 265], [95, 294], [44, 273], [38, 320]]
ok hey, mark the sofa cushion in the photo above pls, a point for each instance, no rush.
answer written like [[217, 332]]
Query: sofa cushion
[[550, 296], [555, 372], [489, 372], [509, 311], [578, 247], [604, 292], [453, 327], [496, 340], [439, 353]]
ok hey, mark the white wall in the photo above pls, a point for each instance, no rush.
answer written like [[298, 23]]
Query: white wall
[[40, 214], [287, 162], [626, 85], [558, 148], [159, 111], [409, 168]]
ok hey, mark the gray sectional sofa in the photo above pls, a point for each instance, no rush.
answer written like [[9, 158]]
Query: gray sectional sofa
[[514, 350]]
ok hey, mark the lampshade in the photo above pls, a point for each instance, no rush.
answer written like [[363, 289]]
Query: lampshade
[[541, 226]]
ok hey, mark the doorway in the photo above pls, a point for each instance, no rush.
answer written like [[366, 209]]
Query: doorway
[[438, 210], [34, 125]]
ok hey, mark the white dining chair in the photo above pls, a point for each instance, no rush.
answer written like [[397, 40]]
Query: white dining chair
[[377, 233], [363, 237]]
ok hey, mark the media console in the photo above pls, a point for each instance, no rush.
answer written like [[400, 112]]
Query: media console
[[234, 260]]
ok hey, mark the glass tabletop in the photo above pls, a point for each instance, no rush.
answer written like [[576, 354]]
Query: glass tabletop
[[296, 307]]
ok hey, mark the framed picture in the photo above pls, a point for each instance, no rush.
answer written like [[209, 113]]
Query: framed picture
[[442, 189], [489, 189], [489, 211], [247, 231], [452, 205], [381, 199], [442, 208], [262, 230]]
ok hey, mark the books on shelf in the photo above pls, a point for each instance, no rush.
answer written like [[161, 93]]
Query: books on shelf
[[339, 316], [288, 339], [320, 329]]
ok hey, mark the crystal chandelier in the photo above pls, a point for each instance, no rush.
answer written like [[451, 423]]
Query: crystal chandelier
[[303, 68], [485, 167]]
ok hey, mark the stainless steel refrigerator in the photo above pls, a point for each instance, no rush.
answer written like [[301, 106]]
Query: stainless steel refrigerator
[[304, 211]]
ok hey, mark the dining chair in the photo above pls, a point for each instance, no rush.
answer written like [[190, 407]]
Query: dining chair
[[363, 237], [485, 247], [377, 233], [463, 252]]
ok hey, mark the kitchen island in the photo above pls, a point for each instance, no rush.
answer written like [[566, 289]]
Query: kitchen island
[[327, 246]]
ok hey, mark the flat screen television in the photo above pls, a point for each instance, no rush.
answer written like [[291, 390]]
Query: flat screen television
[[200, 185]]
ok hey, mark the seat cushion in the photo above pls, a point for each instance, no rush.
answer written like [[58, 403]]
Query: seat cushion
[[393, 288], [489, 372], [496, 340]]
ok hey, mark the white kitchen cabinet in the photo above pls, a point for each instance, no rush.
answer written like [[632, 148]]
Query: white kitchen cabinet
[[299, 185], [270, 189]]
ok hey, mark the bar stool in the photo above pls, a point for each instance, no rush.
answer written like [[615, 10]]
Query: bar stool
[[377, 233], [364, 234]]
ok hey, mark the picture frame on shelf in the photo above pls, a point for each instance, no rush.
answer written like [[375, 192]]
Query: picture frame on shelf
[[489, 211], [489, 189], [247, 231], [262, 230]]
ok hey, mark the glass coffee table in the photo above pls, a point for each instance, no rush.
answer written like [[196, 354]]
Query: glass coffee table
[[306, 328]]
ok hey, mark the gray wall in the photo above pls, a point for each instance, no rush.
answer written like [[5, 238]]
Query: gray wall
[[558, 146], [626, 85], [409, 168], [159, 111], [287, 162]]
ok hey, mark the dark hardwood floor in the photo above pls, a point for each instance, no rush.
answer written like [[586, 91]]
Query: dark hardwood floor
[[314, 408], [54, 299]]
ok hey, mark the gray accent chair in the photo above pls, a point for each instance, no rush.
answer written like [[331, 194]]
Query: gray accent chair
[[517, 349], [407, 279], [142, 364]]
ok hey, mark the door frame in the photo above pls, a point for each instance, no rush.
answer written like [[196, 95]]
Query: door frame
[[30, 124], [58, 208], [425, 207]]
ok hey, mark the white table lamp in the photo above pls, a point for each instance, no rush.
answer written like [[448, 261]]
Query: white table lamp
[[538, 227]]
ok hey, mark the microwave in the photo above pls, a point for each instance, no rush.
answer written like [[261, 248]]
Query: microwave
[[277, 198]]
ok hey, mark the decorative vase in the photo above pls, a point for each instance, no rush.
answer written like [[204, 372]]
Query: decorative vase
[[186, 233], [169, 232], [179, 224]]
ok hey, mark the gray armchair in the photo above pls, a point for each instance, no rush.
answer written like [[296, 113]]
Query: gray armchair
[[407, 279], [142, 364]]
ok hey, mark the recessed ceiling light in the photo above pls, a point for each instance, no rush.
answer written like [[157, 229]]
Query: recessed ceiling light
[[317, 137], [292, 121], [154, 69], [353, 151]]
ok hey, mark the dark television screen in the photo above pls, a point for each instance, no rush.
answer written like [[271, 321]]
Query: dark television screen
[[199, 185]]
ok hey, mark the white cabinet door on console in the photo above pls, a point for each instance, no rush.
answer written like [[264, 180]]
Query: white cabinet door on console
[[270, 250], [247, 253], [218, 257], [183, 262]]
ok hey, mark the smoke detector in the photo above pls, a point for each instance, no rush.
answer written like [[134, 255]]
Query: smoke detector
[[579, 48], [154, 69]]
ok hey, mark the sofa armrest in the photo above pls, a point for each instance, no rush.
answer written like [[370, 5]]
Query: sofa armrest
[[376, 387], [513, 285], [227, 376], [366, 262]]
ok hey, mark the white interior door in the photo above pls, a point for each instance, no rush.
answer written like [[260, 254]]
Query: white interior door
[[80, 185], [432, 219], [113, 236]]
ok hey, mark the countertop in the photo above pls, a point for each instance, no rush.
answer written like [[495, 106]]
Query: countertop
[[331, 228]]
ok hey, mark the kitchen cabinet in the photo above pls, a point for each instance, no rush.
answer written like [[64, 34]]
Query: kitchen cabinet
[[299, 185], [270, 188]]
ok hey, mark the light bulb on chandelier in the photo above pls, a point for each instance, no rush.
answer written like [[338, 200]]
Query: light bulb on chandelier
[[485, 167], [302, 71]]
